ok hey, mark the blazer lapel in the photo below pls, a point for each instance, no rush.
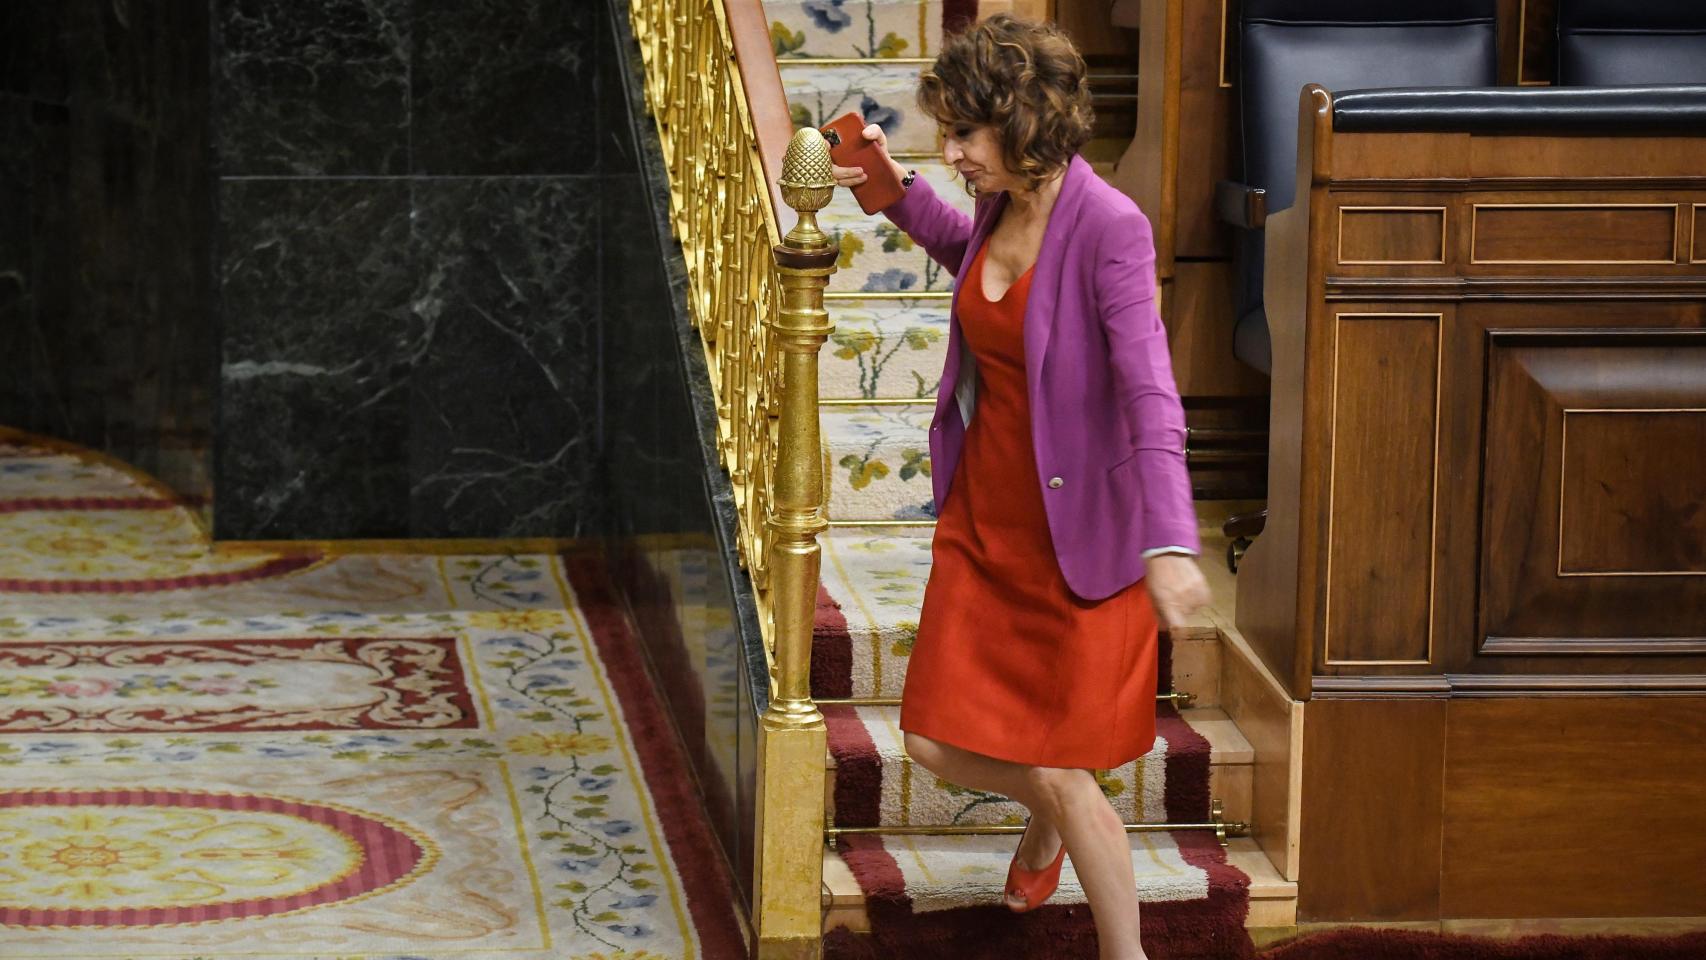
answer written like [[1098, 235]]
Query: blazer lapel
[[1045, 281], [983, 222]]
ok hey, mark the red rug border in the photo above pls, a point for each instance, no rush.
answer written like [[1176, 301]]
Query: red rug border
[[463, 696], [373, 875], [274, 567], [663, 761]]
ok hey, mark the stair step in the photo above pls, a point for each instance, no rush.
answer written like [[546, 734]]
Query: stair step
[[878, 580], [978, 866], [855, 28], [884, 349], [875, 256], [883, 93], [1273, 898], [867, 740], [878, 462]]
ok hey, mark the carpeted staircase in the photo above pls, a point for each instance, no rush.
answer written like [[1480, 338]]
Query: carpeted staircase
[[938, 894]]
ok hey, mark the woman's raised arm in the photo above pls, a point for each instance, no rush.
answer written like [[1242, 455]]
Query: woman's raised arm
[[931, 222], [934, 224]]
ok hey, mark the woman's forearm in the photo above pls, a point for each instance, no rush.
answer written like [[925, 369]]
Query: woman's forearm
[[933, 223]]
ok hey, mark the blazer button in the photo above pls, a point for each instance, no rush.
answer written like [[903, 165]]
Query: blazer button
[[1055, 483]]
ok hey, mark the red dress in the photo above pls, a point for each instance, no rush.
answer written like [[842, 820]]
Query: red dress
[[1008, 662]]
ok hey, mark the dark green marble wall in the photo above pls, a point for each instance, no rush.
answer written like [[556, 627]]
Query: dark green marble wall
[[409, 267]]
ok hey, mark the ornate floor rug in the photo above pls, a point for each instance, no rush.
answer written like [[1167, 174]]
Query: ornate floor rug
[[375, 757]]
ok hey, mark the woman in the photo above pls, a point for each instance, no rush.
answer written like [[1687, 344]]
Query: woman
[[1065, 518]]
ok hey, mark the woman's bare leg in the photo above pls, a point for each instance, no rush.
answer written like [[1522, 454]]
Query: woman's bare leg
[[979, 772], [1067, 804], [1096, 841]]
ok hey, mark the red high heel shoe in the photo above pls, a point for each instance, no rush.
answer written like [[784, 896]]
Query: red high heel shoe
[[1034, 887]]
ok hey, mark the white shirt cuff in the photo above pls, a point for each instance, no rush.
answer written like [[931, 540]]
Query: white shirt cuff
[[1159, 551]]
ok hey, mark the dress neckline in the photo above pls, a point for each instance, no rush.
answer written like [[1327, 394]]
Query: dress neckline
[[982, 255]]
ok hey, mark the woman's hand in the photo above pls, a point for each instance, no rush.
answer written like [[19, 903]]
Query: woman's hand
[[853, 176], [1177, 587]]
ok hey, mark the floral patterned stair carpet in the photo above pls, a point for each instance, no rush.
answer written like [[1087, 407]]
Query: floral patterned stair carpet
[[365, 756], [937, 895]]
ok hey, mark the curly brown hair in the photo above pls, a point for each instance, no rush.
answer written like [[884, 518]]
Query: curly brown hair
[[1024, 79]]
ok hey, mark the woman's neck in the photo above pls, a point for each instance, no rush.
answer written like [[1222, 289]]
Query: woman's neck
[[1038, 201]]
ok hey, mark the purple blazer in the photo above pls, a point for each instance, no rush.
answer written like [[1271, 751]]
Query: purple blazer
[[1106, 425]]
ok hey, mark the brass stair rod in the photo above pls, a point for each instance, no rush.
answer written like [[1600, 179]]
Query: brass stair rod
[[1216, 811], [1233, 829], [1179, 696]]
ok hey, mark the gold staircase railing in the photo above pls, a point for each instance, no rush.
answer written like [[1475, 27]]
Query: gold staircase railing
[[757, 300]]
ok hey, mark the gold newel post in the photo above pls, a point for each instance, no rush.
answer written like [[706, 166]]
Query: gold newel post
[[792, 735]]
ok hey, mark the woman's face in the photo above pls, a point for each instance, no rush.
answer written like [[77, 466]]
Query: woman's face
[[974, 151]]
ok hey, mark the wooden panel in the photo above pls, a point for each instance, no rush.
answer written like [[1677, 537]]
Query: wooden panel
[[1391, 235], [1273, 724], [1532, 380], [1199, 320], [1371, 811], [1207, 136], [1089, 26], [1537, 47], [1561, 808], [1381, 499], [1633, 496], [1697, 238], [1573, 234], [1399, 156], [1611, 158]]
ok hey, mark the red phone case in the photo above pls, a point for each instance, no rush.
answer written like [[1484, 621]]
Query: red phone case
[[849, 148]]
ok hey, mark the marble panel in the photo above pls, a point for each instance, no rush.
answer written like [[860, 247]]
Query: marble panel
[[316, 279], [504, 398], [656, 466], [32, 51], [313, 87], [504, 87], [616, 153]]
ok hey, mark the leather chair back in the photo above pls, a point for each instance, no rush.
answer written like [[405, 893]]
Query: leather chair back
[[1342, 45], [1609, 43]]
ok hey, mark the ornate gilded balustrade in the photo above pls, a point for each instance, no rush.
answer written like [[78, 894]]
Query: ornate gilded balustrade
[[756, 299]]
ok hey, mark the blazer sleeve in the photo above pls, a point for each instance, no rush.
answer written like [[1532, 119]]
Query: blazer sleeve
[[1143, 378], [933, 223]]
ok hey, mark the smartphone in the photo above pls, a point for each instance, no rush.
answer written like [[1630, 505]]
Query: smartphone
[[849, 148]]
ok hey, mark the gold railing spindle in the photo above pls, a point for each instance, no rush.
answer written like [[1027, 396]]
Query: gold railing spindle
[[791, 750], [757, 300]]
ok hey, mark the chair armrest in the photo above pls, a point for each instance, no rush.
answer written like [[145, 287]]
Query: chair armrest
[[1241, 205]]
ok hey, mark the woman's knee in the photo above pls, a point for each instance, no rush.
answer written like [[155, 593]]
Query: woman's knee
[[1056, 789], [925, 752]]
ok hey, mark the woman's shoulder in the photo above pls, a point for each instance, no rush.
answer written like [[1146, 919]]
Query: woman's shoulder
[[1110, 219], [1106, 206]]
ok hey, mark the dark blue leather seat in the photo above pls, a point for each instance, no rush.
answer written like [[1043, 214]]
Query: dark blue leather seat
[[1607, 43], [1342, 45]]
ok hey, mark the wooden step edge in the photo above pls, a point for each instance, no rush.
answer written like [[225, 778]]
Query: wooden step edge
[[1273, 899], [843, 901], [1227, 746], [1231, 771], [1226, 742]]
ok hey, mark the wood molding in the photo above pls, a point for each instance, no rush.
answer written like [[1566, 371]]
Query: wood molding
[[1690, 287], [1456, 686], [1592, 646], [1381, 687]]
